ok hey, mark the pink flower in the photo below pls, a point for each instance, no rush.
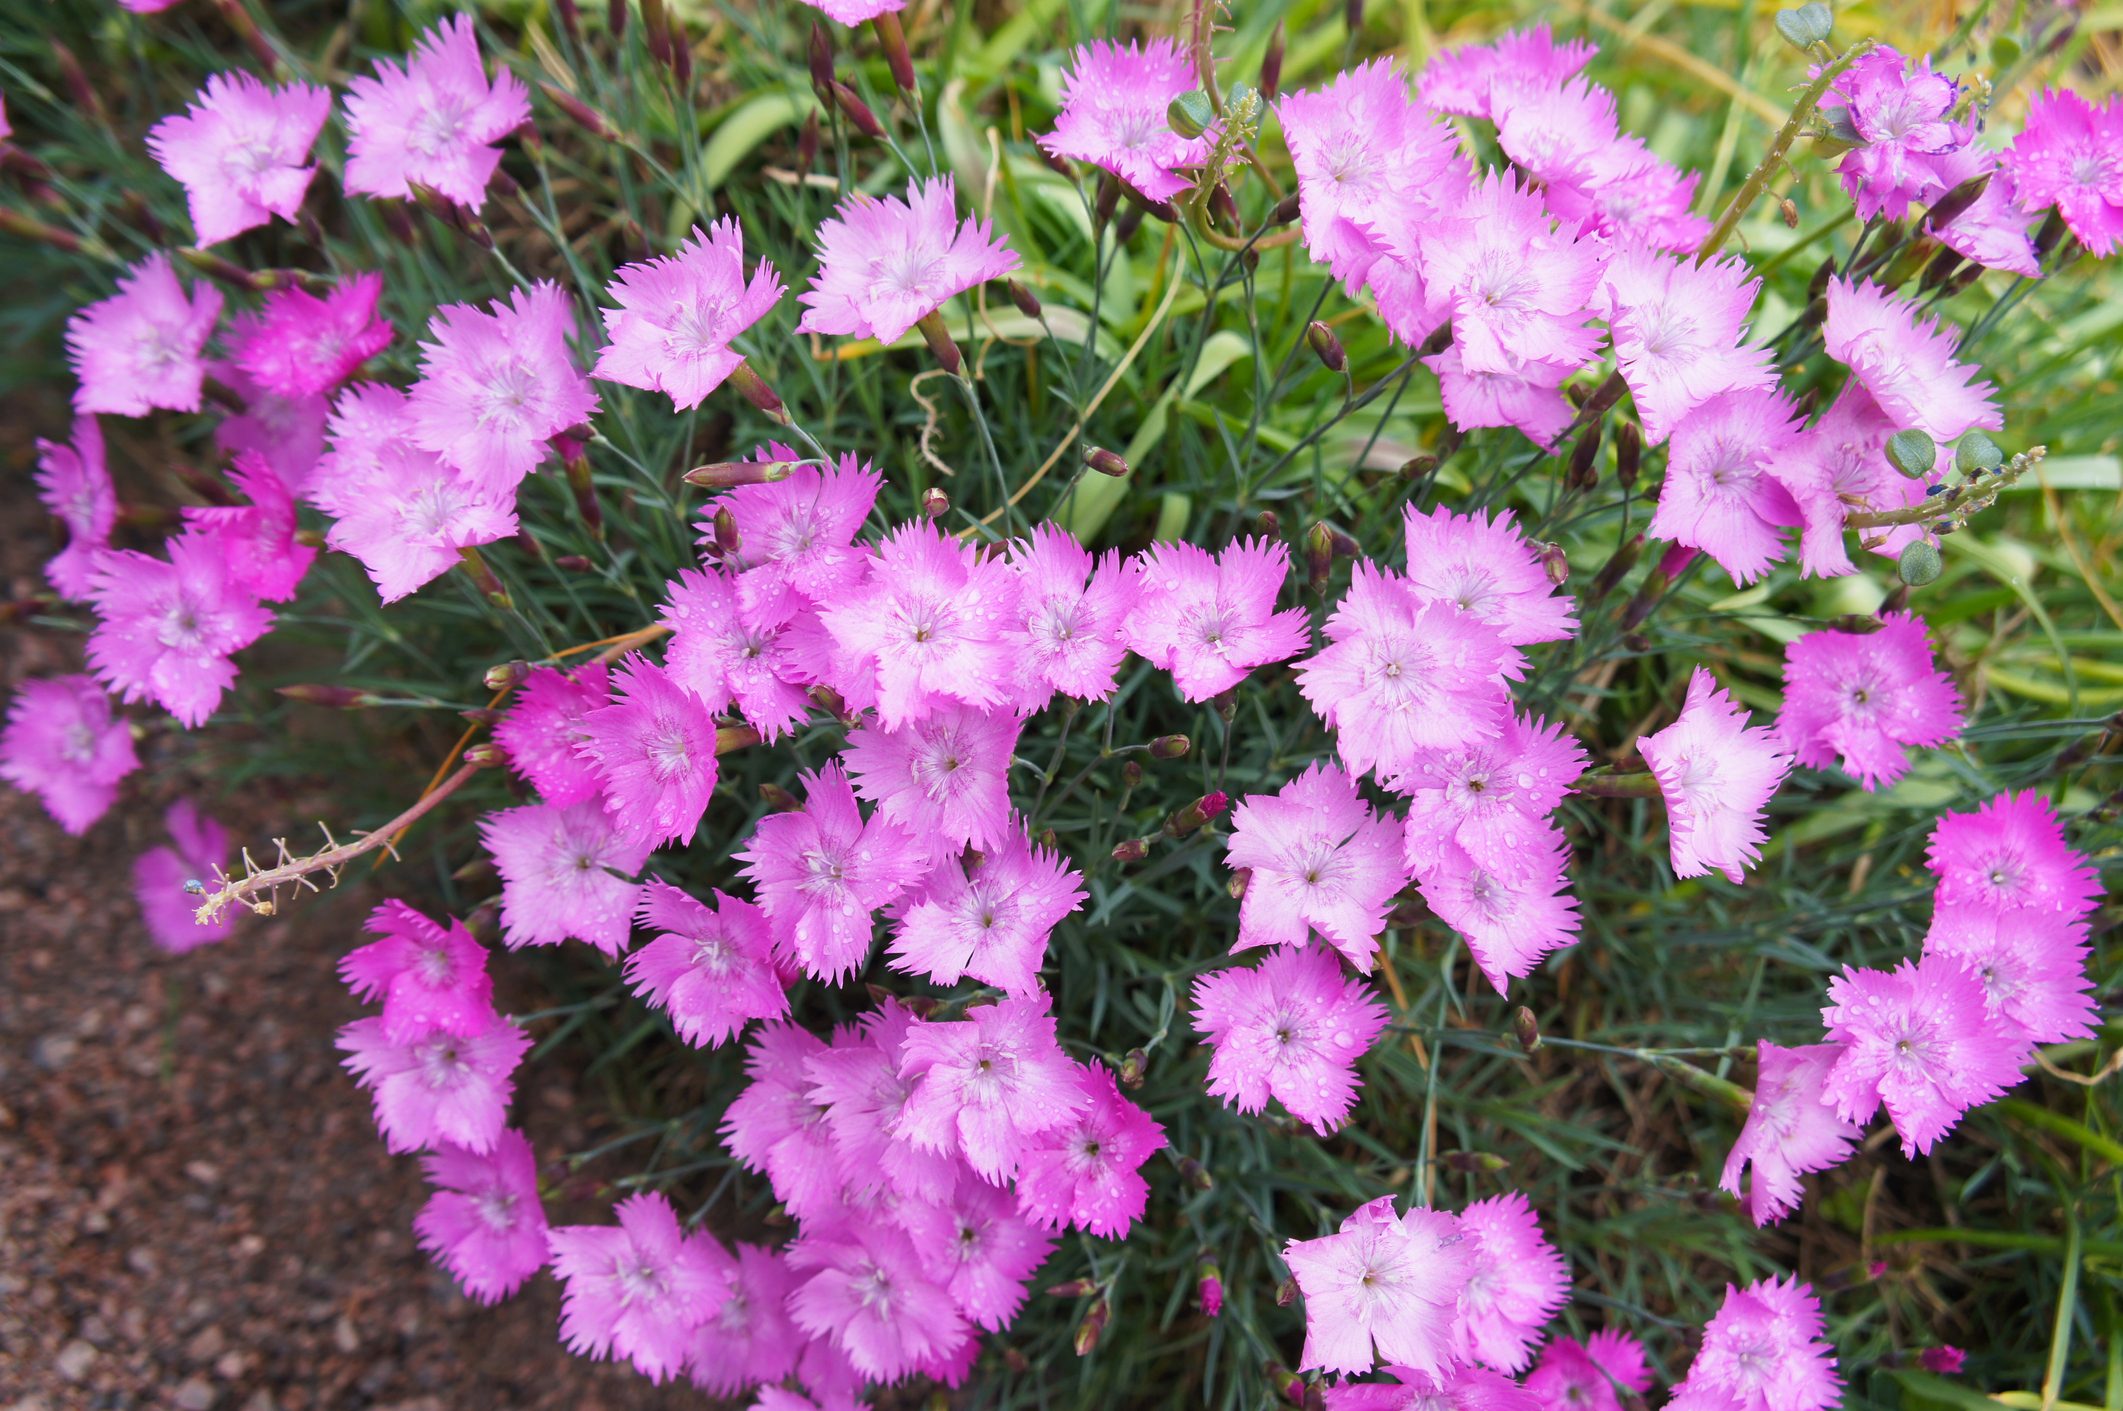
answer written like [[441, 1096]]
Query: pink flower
[[1762, 1352], [885, 264], [1901, 113], [777, 1127], [989, 922], [485, 1223], [854, 12], [147, 7], [671, 332], [257, 540], [748, 1339], [638, 1288], [1467, 80], [241, 151], [2070, 155], [1290, 1028], [1317, 859], [1862, 699], [929, 623], [2031, 964], [1516, 1282], [2010, 856], [1210, 620], [541, 730], [1941, 1361], [438, 1088], [1492, 797], [198, 845], [1066, 634], [1680, 331], [989, 1084], [1551, 131], [821, 874], [398, 508], [166, 629], [721, 652], [857, 1083], [287, 433], [76, 488], [944, 778], [496, 385], [1113, 115], [431, 979], [564, 871], [710, 970], [1721, 493], [654, 748], [866, 1290], [1717, 774], [1992, 230], [299, 345], [1464, 1388], [1521, 290], [433, 120], [1400, 678], [1510, 915], [1791, 1129], [64, 744], [979, 1248], [1624, 191], [1589, 1376], [797, 536], [1530, 399], [1905, 361], [1382, 1281], [1921, 1040], [1839, 464], [139, 349], [1086, 1173], [1486, 569]]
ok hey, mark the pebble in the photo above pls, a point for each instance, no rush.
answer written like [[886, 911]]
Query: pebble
[[74, 1360]]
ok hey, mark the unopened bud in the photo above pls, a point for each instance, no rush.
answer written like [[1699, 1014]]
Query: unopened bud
[[1353, 16], [1325, 346], [754, 389], [1475, 1163], [1976, 453], [1106, 462], [1417, 466], [774, 796], [1272, 64], [1196, 814], [1628, 453], [721, 475], [830, 701], [1286, 210], [1554, 562], [730, 738], [331, 697], [1286, 1293], [1128, 221], [1319, 557], [1195, 1174], [1131, 773], [1616, 568], [1222, 206], [893, 40], [819, 55], [1074, 1288], [935, 504], [1526, 1029], [572, 563], [1238, 881], [1920, 563], [941, 346], [1209, 1285], [1108, 197], [1582, 474], [1170, 747], [1094, 1323], [807, 142], [1163, 210], [1269, 524], [1287, 1384], [1913, 453], [1131, 850], [1190, 114], [505, 676], [1133, 1064], [1022, 297], [855, 110], [578, 112], [486, 755], [728, 541]]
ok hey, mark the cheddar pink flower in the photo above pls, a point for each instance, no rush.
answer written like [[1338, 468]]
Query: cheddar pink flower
[[1863, 699], [1906, 361], [241, 151], [885, 264], [1290, 1028], [1680, 333], [797, 536], [76, 488], [543, 727], [166, 628], [1792, 1129], [430, 978], [722, 652], [638, 1288], [496, 384], [1493, 797], [2070, 155], [709, 969], [1066, 634], [564, 873], [866, 1289], [1211, 619], [654, 747], [1469, 79], [140, 348], [485, 1223], [64, 744], [1483, 566], [197, 846], [989, 922], [300, 345], [439, 1088], [1113, 115], [1317, 859], [1717, 773], [1383, 1288], [1521, 290], [1086, 1173], [944, 778], [1516, 1282], [1589, 1376], [257, 540], [980, 1248], [748, 1339], [1509, 915], [1721, 493], [989, 1084], [433, 120], [1762, 1352], [2010, 857], [1530, 399], [778, 1128], [671, 332]]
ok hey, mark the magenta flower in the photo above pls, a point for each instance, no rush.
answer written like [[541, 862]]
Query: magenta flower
[[1530, 399], [1721, 493], [1762, 1352], [64, 744], [822, 872], [1400, 678], [485, 1222], [564, 871], [257, 541], [638, 1289], [139, 349], [1468, 80], [1486, 569], [1839, 464], [438, 1088], [1493, 797], [1066, 634], [431, 979], [654, 748], [2031, 964], [1510, 915], [929, 623], [398, 508], [671, 332], [1290, 1028], [1384, 1282], [1464, 1388], [1717, 774], [433, 120], [980, 1249], [721, 652], [1791, 1129], [1589, 1376], [885, 264], [748, 1339], [1210, 620], [858, 1084], [1921, 1040], [1992, 230], [989, 1084], [1905, 361], [496, 385], [76, 488], [1086, 1173], [777, 1127], [1679, 331], [709, 970], [865, 1288], [2010, 857], [1516, 1282], [797, 536], [1113, 115], [2070, 155], [944, 778], [166, 628], [1520, 289], [541, 730], [989, 922], [299, 345], [198, 845], [241, 151], [854, 12], [1862, 699], [1317, 859], [1900, 110], [287, 433]]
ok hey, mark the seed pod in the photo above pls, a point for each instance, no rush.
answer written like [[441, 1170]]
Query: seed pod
[[1920, 563], [1325, 346], [1190, 114], [1976, 453], [1555, 563], [1913, 453]]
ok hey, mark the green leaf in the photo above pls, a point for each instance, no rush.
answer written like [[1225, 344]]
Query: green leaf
[[749, 124]]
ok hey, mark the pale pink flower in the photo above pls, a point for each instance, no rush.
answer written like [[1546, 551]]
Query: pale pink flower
[[989, 921], [300, 345], [638, 1288], [709, 969], [1467, 80], [1484, 567], [543, 726], [748, 1338], [1633, 197], [1589, 1376], [1464, 1388], [854, 12], [166, 628], [1552, 131], [2032, 964], [565, 871], [75, 486], [1086, 1173], [241, 151], [671, 332], [197, 846], [1680, 333], [1211, 619], [1992, 230], [777, 1127], [1516, 1282], [797, 536], [1511, 915], [1721, 492], [1762, 1352], [2069, 155], [1862, 699], [1113, 115], [256, 540], [496, 384], [654, 747], [1791, 1129], [865, 1288], [431, 978], [2010, 856], [858, 1084], [139, 349], [485, 1222], [1520, 289], [1317, 859], [287, 433], [722, 652], [65, 744], [977, 1245], [1717, 774], [432, 121], [1382, 1288], [1530, 398], [885, 264], [1493, 797], [988, 1084], [1839, 464], [1066, 634], [1906, 361], [438, 1088], [1290, 1028], [945, 778]]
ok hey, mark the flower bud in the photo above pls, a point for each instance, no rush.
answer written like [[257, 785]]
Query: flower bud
[[1976, 453], [935, 504], [819, 55], [1616, 568], [807, 142], [1106, 462], [728, 542], [1222, 207], [721, 475], [1131, 850], [1170, 747], [1325, 346], [1129, 220], [1286, 1292], [1237, 882], [1353, 16], [1133, 1064], [1163, 210], [729, 738], [775, 797], [1628, 453], [1913, 453], [1582, 474], [1190, 114], [332, 697], [1131, 773], [1022, 297], [1286, 210], [1475, 1163], [754, 389], [829, 700], [578, 112], [1074, 1288], [855, 110], [1287, 1384], [1920, 563], [893, 40], [1319, 557], [1526, 1029], [1272, 64], [1195, 1174], [572, 563], [1196, 814], [1048, 839], [1094, 1323], [1554, 562], [1108, 197], [941, 345], [1209, 1285], [1269, 524], [485, 755]]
